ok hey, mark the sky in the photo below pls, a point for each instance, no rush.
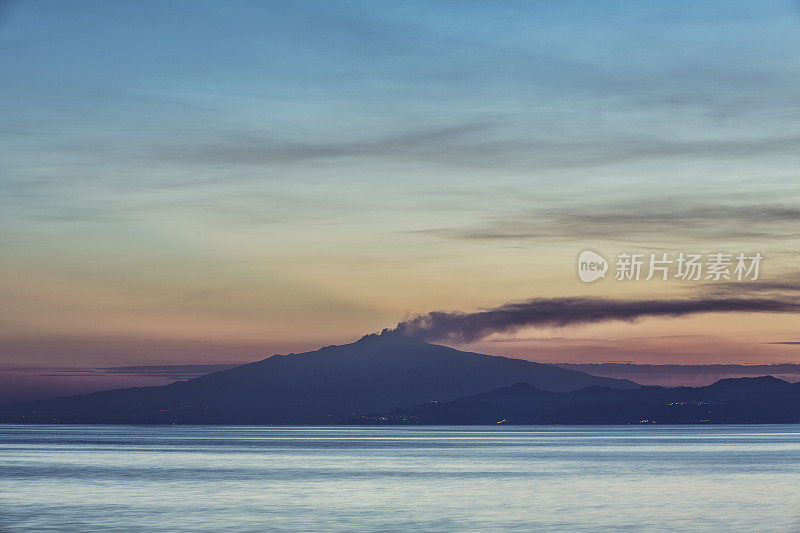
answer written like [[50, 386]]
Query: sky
[[214, 182]]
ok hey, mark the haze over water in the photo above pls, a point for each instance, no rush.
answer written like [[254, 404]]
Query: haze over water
[[182, 478]]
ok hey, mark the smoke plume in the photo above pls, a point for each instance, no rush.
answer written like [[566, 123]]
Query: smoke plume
[[559, 312]]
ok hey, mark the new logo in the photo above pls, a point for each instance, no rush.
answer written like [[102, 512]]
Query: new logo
[[591, 266]]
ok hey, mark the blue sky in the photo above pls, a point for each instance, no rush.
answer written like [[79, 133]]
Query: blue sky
[[270, 176]]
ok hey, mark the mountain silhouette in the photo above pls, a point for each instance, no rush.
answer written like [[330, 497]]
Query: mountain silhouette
[[330, 385], [765, 400]]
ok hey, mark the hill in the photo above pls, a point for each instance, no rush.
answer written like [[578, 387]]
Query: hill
[[765, 400]]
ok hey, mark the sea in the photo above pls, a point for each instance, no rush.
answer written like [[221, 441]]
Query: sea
[[399, 478]]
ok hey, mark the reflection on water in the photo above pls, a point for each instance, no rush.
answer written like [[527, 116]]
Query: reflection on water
[[211, 478]]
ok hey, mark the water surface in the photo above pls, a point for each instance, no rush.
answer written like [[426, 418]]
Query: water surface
[[212, 478]]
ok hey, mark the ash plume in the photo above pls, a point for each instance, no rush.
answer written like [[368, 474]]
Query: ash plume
[[559, 312]]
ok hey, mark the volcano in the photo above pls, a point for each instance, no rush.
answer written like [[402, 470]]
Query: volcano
[[331, 385]]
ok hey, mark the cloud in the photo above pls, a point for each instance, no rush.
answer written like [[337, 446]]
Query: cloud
[[485, 142], [732, 369], [559, 312], [253, 148], [632, 220], [160, 371], [787, 286], [671, 375]]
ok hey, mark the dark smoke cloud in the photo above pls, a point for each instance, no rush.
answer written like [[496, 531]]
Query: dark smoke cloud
[[559, 312]]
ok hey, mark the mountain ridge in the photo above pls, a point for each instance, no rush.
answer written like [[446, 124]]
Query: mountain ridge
[[329, 385], [763, 399]]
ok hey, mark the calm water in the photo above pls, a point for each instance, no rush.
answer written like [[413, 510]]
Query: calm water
[[124, 478]]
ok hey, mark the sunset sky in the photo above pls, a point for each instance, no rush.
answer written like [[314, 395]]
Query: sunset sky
[[212, 182]]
